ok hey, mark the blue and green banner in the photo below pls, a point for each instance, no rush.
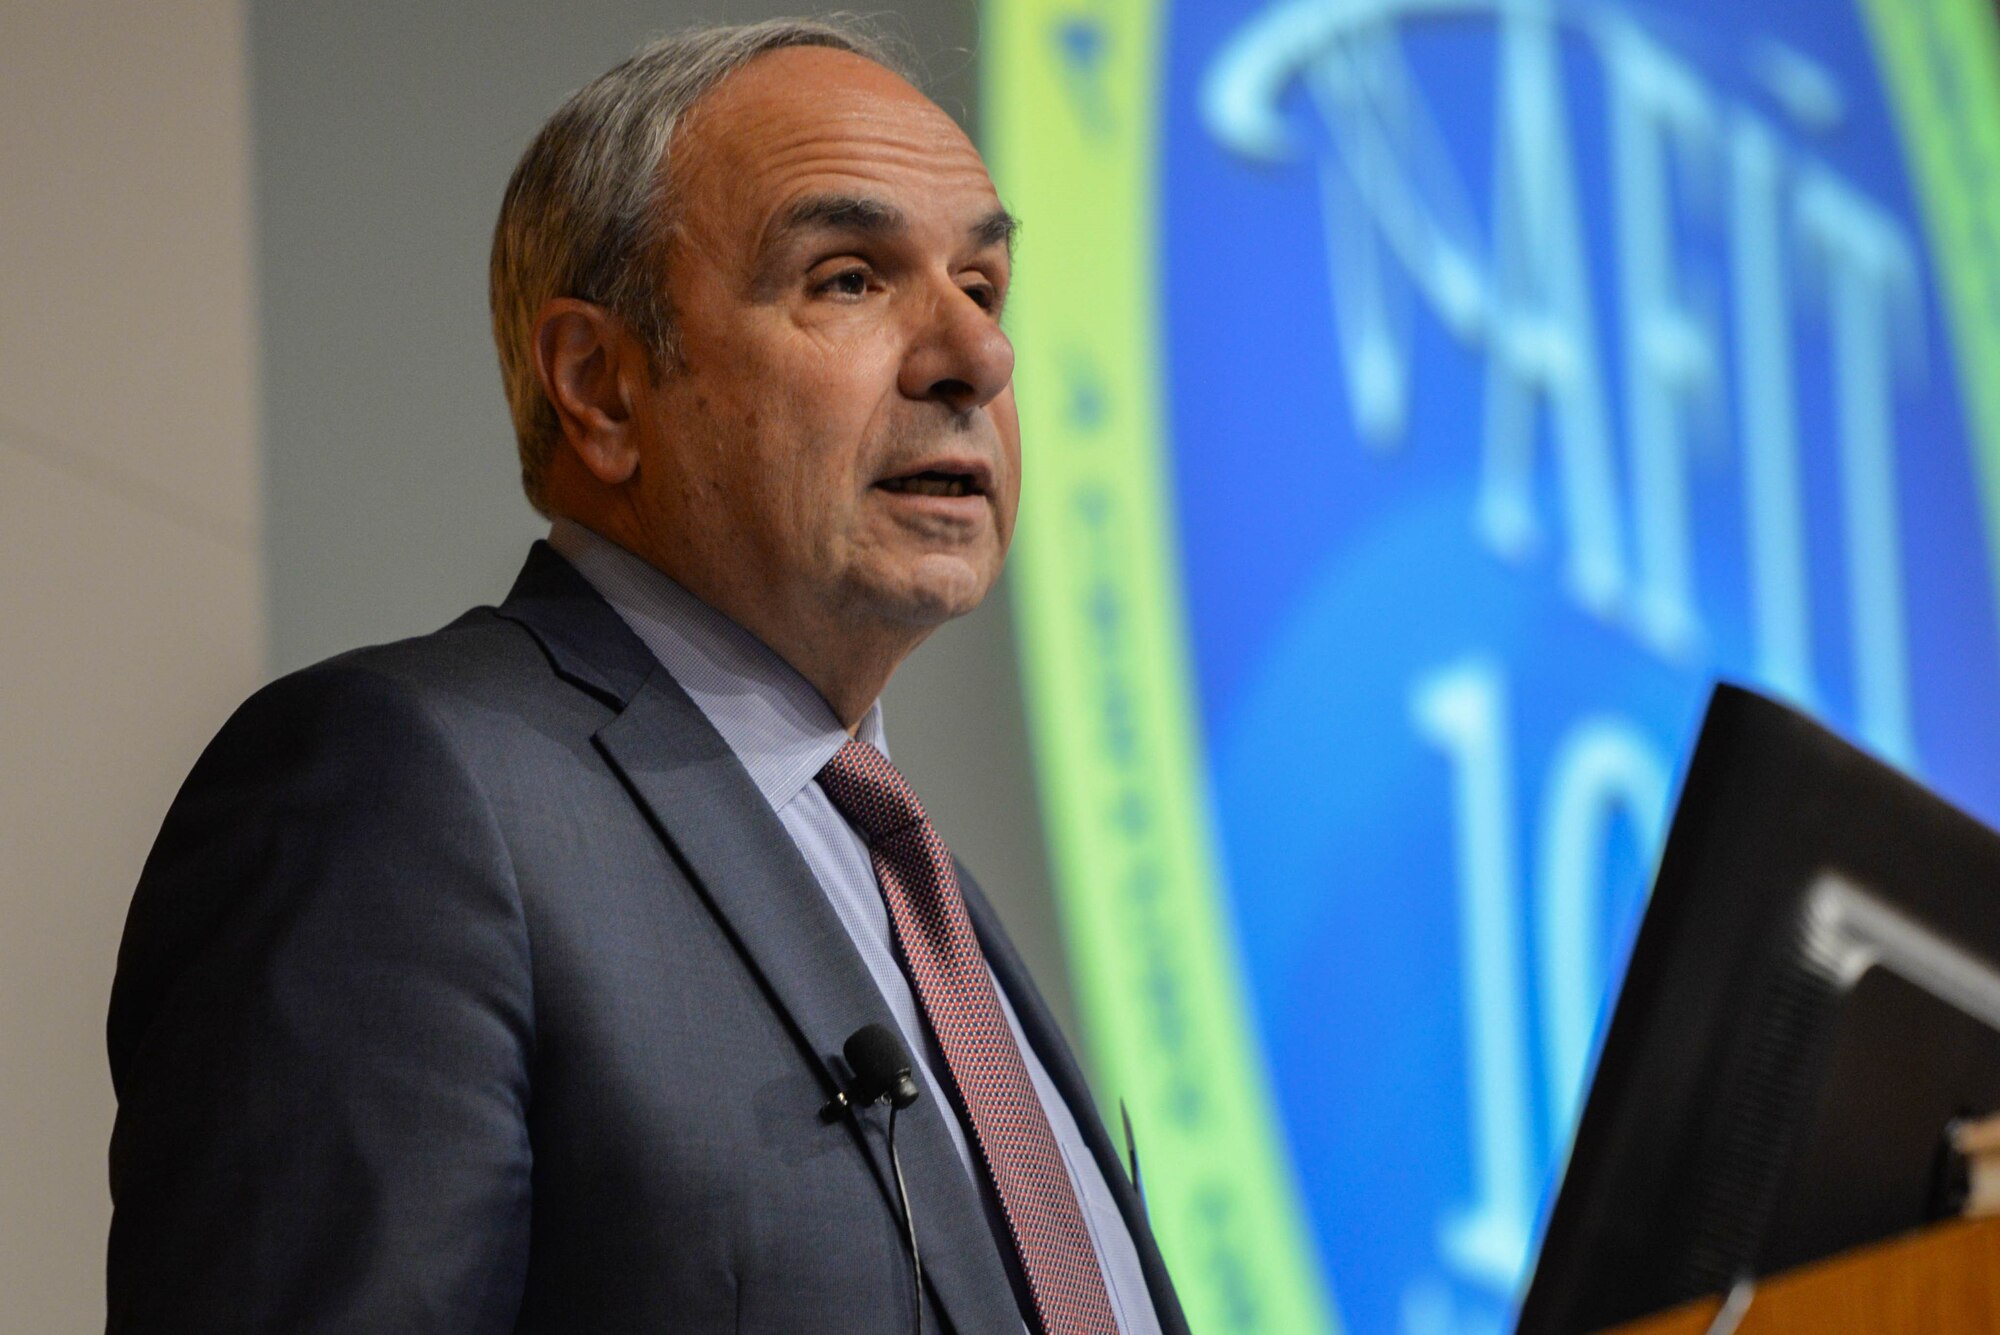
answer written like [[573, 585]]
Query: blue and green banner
[[1424, 401]]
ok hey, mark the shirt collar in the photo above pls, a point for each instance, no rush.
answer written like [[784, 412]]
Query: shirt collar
[[772, 718]]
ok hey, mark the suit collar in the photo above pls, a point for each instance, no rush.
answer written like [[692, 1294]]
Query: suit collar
[[743, 862], [586, 643], [773, 719]]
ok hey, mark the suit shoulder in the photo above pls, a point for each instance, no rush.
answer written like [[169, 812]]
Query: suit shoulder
[[450, 710], [480, 653], [482, 668], [353, 786]]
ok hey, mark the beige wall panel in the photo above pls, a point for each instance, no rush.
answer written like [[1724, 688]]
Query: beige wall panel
[[129, 505], [125, 244], [130, 638]]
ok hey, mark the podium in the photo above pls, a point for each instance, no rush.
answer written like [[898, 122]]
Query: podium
[[1942, 1281]]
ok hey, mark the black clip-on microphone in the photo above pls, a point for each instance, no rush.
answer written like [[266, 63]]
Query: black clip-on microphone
[[881, 1071]]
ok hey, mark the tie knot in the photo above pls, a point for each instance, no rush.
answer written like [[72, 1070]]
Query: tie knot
[[864, 787]]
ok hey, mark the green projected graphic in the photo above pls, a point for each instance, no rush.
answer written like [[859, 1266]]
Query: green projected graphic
[[1070, 112], [1942, 59]]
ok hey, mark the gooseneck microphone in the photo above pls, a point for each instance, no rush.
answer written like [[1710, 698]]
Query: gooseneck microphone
[[881, 1069]]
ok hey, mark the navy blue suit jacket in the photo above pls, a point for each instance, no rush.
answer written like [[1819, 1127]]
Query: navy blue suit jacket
[[472, 987]]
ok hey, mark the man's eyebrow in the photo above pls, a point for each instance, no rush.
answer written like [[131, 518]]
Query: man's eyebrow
[[998, 228], [859, 213], [839, 213]]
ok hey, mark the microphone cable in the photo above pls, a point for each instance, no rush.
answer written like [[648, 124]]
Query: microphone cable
[[909, 1220], [881, 1071]]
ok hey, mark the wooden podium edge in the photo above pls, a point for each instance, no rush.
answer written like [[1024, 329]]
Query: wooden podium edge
[[1944, 1280]]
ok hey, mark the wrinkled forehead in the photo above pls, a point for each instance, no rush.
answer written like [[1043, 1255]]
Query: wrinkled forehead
[[805, 120]]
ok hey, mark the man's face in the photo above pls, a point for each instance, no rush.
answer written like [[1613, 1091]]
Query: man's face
[[838, 444]]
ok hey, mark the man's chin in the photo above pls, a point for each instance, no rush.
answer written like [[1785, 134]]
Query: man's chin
[[935, 589]]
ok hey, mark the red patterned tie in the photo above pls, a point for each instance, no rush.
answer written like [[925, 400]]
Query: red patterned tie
[[1010, 1129]]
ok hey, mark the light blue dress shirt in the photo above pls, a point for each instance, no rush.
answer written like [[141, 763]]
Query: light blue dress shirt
[[784, 733]]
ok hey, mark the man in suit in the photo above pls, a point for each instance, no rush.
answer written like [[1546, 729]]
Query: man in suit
[[496, 980]]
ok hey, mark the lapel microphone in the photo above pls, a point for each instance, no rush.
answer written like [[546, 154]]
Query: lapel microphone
[[881, 1070]]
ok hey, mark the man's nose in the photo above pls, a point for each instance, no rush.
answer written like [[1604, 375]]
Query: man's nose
[[960, 358]]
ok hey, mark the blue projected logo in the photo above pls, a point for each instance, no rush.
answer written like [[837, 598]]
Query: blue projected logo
[[1530, 365]]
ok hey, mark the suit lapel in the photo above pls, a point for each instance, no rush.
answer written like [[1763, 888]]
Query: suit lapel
[[1039, 1027], [743, 861]]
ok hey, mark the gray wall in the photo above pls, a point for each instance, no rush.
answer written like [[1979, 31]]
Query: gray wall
[[384, 134]]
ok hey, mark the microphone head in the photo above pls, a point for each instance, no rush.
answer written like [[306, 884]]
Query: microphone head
[[881, 1067]]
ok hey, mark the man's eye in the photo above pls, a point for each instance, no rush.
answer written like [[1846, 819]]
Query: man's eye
[[983, 295], [849, 283]]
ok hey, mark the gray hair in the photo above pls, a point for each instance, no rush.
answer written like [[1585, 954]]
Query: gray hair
[[586, 214]]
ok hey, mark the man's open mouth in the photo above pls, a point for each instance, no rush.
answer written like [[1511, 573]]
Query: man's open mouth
[[933, 483]]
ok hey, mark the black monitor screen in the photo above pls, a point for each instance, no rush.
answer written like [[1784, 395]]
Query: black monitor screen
[[1813, 1000]]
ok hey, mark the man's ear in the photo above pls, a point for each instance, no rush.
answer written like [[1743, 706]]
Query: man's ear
[[586, 358]]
